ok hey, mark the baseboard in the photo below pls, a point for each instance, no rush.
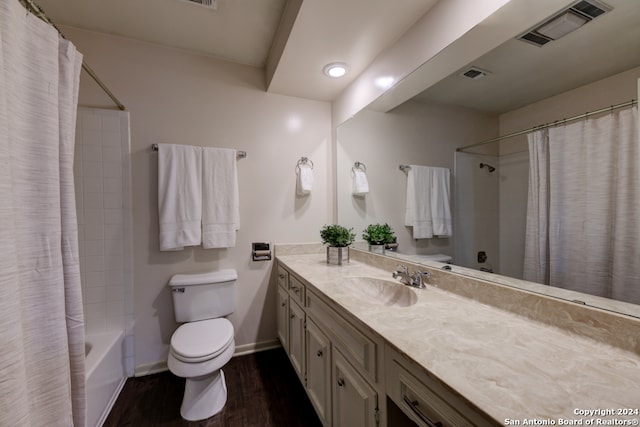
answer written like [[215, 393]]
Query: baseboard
[[150, 368], [241, 350]]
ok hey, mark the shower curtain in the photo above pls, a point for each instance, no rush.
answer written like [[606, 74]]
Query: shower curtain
[[583, 231], [41, 319]]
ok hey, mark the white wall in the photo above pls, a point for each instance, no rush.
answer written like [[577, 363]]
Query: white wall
[[178, 97], [413, 133], [515, 167]]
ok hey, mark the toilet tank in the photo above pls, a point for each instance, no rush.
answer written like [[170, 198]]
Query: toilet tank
[[204, 295]]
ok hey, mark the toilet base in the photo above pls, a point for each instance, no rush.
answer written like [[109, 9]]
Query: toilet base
[[204, 396]]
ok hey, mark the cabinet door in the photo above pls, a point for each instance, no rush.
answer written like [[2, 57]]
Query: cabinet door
[[283, 318], [296, 338], [319, 371], [355, 402]]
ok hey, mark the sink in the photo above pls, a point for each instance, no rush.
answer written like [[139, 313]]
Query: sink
[[380, 291]]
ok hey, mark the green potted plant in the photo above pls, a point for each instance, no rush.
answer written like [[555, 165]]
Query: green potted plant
[[378, 235], [337, 238]]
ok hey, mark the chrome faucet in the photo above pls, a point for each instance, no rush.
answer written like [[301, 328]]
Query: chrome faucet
[[415, 280]]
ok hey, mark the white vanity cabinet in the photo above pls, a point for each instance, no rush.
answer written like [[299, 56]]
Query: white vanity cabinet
[[339, 365], [423, 399], [291, 319]]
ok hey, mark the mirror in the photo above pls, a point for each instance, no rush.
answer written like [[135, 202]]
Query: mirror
[[524, 86]]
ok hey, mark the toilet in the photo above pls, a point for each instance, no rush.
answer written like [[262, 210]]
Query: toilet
[[437, 257], [204, 343]]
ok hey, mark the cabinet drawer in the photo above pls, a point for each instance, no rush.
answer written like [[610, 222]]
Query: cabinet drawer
[[283, 277], [361, 350], [296, 289], [424, 400]]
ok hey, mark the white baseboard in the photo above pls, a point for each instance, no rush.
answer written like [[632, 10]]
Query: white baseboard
[[241, 350]]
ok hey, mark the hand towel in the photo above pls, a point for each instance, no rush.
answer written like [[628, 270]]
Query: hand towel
[[179, 196], [360, 183], [220, 201], [305, 180], [440, 209], [418, 202]]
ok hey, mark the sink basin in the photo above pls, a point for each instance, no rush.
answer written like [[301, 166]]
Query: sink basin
[[380, 291]]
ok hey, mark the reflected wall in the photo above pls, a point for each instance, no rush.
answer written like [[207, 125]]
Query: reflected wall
[[413, 133]]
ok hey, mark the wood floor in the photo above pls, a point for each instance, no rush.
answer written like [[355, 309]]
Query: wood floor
[[263, 390]]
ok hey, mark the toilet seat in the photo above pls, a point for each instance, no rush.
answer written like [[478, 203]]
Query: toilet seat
[[203, 340]]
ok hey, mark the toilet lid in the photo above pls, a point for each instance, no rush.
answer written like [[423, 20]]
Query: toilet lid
[[202, 340]]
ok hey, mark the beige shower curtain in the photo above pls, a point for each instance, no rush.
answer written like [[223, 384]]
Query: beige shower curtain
[[41, 319], [583, 231]]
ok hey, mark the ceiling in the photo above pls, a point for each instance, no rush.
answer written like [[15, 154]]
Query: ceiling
[[243, 31], [522, 73]]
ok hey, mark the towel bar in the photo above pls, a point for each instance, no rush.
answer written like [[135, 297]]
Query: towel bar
[[241, 154]]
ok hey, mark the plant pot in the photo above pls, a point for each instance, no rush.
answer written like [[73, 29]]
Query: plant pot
[[377, 249], [337, 256]]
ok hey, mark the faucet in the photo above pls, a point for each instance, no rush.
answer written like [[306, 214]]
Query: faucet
[[415, 280]]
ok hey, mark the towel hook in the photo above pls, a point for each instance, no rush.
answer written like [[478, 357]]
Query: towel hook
[[304, 161], [404, 168], [359, 165]]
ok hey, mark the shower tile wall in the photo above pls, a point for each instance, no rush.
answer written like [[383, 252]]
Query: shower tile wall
[[103, 203]]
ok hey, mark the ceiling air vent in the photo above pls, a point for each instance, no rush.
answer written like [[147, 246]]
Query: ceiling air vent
[[565, 22], [474, 73], [209, 4]]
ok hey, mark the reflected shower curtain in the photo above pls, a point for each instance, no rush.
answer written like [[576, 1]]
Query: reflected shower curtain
[[41, 319], [583, 231]]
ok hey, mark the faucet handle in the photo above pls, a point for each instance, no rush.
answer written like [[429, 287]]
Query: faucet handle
[[419, 276], [403, 268]]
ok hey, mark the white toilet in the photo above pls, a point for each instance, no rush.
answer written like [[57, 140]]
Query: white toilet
[[204, 343]]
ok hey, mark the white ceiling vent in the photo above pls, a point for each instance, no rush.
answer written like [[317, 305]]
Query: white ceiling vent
[[561, 24], [474, 73], [209, 4]]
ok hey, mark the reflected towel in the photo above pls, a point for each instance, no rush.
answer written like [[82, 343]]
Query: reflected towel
[[179, 196], [360, 183], [440, 209], [220, 201], [304, 184], [427, 202]]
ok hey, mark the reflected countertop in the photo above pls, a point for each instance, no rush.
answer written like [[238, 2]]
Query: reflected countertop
[[507, 364]]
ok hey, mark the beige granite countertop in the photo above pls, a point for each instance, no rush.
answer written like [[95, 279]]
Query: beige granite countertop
[[511, 367]]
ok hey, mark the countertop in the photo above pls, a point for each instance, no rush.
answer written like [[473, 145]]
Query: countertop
[[509, 366]]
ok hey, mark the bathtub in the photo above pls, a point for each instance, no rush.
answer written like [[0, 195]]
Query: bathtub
[[104, 372]]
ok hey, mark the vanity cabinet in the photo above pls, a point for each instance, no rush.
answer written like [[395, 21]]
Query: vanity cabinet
[[425, 400], [338, 364], [355, 400]]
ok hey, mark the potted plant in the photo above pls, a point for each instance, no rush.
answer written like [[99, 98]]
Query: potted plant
[[378, 235], [337, 238]]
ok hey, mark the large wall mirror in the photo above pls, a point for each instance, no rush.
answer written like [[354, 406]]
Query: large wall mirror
[[515, 87]]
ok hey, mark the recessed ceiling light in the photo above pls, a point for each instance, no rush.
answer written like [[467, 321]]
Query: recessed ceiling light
[[335, 69]]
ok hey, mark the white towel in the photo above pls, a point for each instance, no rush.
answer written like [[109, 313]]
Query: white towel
[[304, 183], [360, 183], [220, 201], [179, 196], [427, 202], [440, 209]]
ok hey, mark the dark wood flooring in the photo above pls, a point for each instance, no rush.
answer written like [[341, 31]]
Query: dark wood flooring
[[263, 390]]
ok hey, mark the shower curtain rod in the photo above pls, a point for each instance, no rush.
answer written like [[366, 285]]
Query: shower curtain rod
[[548, 125], [37, 11]]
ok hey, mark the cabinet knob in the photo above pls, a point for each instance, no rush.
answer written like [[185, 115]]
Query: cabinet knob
[[281, 276], [283, 303], [295, 289], [319, 353], [292, 316], [340, 382]]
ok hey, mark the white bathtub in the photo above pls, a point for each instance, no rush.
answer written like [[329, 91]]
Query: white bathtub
[[105, 374]]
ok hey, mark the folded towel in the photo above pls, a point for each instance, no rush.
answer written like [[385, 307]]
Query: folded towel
[[440, 209], [427, 202], [220, 201], [305, 180], [360, 183], [418, 211], [179, 196]]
